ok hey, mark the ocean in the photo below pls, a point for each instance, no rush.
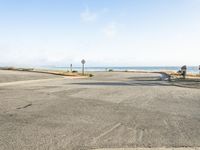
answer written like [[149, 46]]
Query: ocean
[[190, 69]]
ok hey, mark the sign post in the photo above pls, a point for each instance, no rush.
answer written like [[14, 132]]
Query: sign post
[[83, 63], [70, 67]]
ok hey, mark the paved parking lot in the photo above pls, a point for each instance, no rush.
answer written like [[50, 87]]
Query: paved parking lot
[[109, 110]]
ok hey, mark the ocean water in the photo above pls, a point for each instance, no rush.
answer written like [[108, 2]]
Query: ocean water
[[190, 69]]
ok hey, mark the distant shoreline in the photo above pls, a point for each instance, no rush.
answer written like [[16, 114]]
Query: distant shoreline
[[191, 69], [89, 73]]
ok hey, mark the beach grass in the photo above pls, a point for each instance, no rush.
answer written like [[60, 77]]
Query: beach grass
[[54, 72]]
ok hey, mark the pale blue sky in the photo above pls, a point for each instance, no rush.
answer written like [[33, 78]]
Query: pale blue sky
[[104, 32]]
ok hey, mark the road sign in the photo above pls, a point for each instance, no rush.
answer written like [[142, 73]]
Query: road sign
[[83, 61]]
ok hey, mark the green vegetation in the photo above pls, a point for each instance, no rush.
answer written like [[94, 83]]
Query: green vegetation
[[110, 70]]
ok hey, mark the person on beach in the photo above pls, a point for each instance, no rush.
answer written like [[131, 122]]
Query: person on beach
[[183, 71]]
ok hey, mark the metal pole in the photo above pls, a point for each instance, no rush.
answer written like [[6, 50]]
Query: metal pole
[[71, 67], [83, 69], [83, 62]]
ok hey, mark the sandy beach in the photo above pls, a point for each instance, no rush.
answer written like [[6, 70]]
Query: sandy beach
[[110, 110]]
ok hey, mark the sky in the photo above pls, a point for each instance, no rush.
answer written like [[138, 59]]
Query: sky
[[103, 32]]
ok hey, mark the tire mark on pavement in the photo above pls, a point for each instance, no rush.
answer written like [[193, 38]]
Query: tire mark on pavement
[[106, 132], [24, 106], [140, 136]]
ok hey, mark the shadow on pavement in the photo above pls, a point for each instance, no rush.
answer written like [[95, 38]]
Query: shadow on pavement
[[124, 83], [186, 83], [146, 82], [145, 79]]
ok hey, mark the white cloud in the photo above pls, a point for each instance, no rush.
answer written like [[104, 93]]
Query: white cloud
[[110, 30], [87, 15]]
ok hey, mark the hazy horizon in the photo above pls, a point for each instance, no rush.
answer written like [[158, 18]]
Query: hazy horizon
[[104, 33]]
